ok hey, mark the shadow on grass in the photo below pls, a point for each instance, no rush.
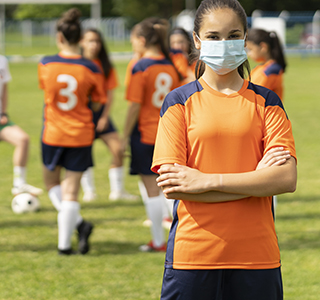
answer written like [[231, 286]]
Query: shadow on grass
[[114, 247], [28, 223], [298, 198], [295, 217], [299, 240]]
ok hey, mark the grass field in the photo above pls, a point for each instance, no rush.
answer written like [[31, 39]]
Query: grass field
[[114, 269]]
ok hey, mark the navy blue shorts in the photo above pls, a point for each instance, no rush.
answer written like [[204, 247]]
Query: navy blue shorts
[[96, 116], [222, 284], [141, 155], [76, 159]]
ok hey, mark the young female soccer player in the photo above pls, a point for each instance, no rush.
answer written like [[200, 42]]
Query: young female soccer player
[[222, 243], [93, 48], [152, 77], [180, 40], [264, 47], [68, 132], [14, 135]]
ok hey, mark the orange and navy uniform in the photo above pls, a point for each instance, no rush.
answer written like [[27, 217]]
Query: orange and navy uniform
[[130, 66], [180, 61], [216, 133], [110, 82], [67, 82], [151, 80], [269, 75]]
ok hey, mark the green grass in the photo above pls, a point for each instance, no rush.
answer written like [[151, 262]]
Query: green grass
[[30, 267]]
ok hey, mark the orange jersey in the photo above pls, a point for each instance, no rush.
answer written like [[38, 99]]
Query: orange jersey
[[180, 61], [130, 66], [67, 82], [110, 82], [217, 133], [269, 75], [151, 80]]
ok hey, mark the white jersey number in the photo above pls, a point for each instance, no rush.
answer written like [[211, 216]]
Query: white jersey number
[[163, 84], [68, 92]]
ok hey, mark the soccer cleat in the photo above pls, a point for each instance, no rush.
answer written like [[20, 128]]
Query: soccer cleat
[[66, 252], [89, 196], [151, 248], [26, 188], [122, 195], [84, 232]]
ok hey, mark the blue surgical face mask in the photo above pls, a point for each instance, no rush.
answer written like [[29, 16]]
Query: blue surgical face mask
[[223, 56]]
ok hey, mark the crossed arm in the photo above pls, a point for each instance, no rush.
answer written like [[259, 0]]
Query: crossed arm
[[275, 174]]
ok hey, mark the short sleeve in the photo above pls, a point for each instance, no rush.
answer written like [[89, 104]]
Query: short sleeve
[[111, 82], [135, 88], [278, 129], [171, 143], [98, 93]]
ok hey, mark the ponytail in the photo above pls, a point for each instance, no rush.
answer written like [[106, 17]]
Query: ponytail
[[258, 36]]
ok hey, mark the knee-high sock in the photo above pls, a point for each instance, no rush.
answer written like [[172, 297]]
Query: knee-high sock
[[67, 219], [154, 211], [87, 181], [19, 176], [116, 179], [167, 207], [56, 199]]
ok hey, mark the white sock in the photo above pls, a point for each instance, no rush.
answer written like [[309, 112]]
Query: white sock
[[67, 218], [56, 199], [154, 211], [167, 207], [116, 179], [19, 176], [87, 180], [143, 191], [55, 196]]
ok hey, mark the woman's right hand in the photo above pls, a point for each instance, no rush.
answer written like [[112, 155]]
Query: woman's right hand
[[274, 157]]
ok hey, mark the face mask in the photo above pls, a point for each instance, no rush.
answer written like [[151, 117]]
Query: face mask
[[223, 56]]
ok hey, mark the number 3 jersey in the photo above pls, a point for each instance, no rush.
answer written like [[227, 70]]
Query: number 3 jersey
[[68, 81], [151, 80]]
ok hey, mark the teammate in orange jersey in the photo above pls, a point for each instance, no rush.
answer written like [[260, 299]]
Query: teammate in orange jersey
[[224, 146], [68, 132], [14, 135], [153, 76], [93, 48], [265, 48], [180, 40]]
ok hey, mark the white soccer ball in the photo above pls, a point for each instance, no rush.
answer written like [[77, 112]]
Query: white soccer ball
[[24, 203]]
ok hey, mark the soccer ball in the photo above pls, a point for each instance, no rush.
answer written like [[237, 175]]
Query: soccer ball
[[24, 203]]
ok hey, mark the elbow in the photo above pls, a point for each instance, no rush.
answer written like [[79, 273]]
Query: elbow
[[292, 187]]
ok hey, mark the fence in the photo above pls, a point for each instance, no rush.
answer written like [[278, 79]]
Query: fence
[[30, 37]]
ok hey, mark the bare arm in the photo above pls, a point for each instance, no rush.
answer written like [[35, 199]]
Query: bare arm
[[4, 103], [275, 174], [103, 121]]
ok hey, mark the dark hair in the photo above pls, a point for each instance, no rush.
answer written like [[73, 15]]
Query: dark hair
[[205, 8], [103, 55], [69, 25], [188, 37], [155, 32], [257, 36]]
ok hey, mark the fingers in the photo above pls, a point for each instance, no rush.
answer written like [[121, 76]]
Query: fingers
[[276, 156]]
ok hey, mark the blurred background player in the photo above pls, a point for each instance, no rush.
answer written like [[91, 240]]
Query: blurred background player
[[180, 40], [152, 77], [93, 48], [265, 48], [67, 80], [14, 135]]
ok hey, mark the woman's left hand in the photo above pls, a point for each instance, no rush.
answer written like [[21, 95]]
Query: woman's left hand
[[181, 179]]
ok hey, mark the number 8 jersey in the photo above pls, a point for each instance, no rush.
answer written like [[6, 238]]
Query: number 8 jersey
[[151, 80], [67, 82]]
